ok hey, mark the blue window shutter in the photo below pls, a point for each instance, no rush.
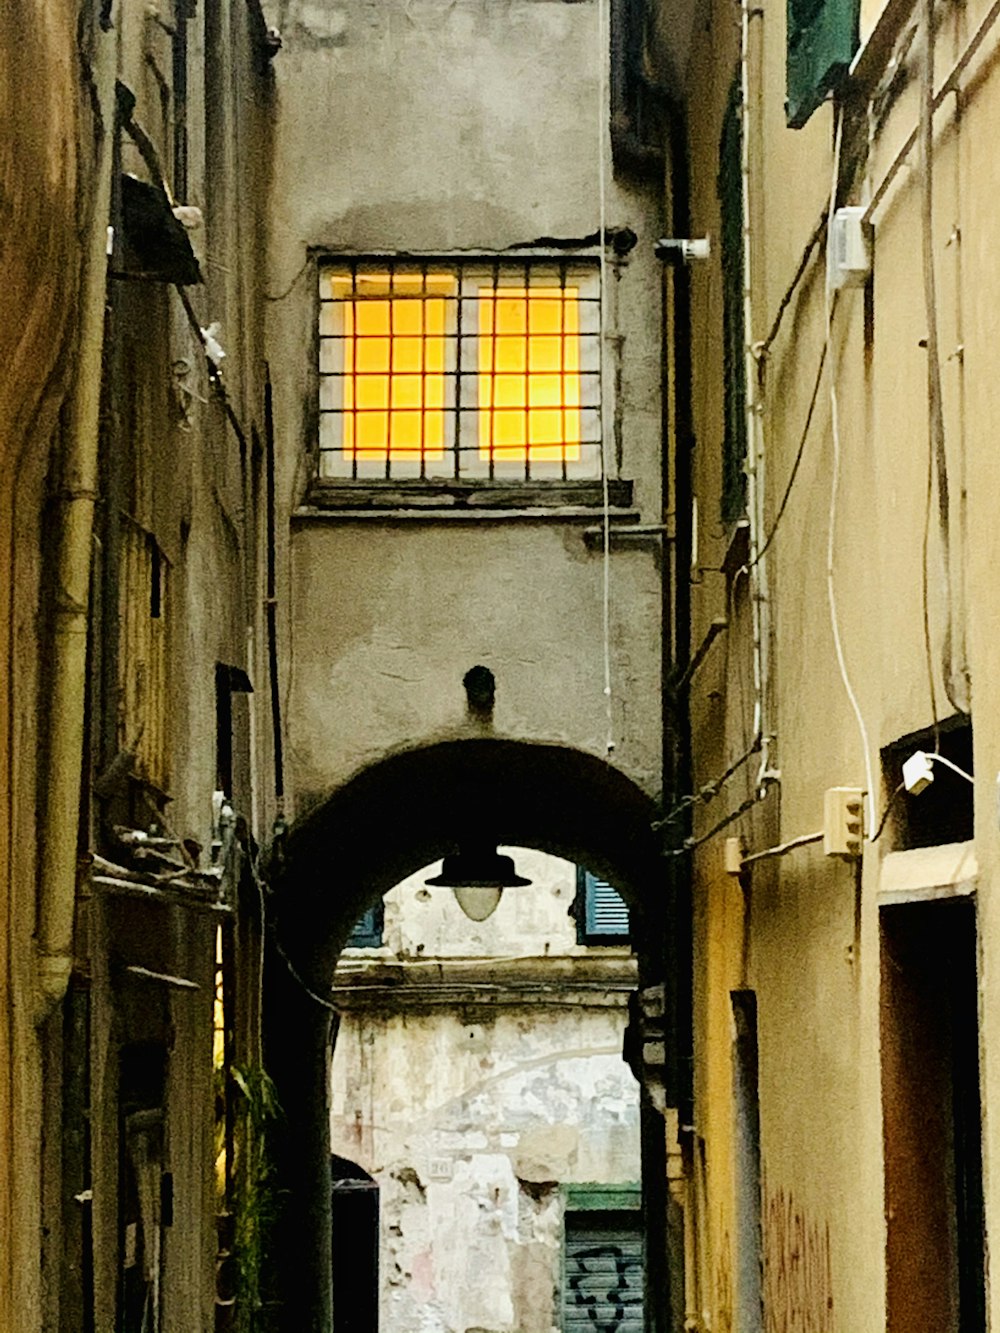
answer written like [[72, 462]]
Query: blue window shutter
[[822, 40], [604, 915], [367, 932]]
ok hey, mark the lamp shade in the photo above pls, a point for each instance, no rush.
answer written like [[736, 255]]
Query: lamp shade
[[478, 874]]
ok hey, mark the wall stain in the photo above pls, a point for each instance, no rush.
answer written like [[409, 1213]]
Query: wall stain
[[724, 1285], [798, 1275]]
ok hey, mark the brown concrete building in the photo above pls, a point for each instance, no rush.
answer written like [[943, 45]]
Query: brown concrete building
[[135, 171], [499, 522]]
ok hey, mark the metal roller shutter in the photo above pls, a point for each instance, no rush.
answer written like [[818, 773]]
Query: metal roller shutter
[[603, 1282]]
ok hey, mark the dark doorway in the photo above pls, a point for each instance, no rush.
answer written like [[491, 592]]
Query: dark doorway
[[355, 1248], [746, 1110], [931, 1119]]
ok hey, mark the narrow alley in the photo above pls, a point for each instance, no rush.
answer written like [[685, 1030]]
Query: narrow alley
[[500, 826]]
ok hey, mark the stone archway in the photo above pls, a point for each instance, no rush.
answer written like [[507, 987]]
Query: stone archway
[[384, 824]]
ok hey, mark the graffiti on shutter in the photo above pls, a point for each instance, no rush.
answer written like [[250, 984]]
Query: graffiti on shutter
[[603, 1281]]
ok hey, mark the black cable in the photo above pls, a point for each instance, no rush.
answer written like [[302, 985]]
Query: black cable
[[886, 812], [710, 790], [802, 441], [690, 844]]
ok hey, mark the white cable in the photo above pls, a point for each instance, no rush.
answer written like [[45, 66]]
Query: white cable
[[832, 526], [936, 758], [603, 56], [756, 568]]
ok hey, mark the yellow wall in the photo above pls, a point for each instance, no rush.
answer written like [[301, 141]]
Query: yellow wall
[[812, 931]]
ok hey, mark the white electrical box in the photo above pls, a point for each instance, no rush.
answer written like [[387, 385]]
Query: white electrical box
[[848, 249], [918, 773]]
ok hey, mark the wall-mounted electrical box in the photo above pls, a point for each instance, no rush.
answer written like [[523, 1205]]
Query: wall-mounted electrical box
[[848, 249], [843, 821]]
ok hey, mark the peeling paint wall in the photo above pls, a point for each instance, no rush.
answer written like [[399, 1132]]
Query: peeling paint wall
[[490, 1078]]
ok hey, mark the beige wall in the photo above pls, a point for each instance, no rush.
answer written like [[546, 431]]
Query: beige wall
[[803, 938]]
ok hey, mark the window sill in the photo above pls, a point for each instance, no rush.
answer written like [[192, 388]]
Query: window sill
[[463, 499], [922, 874]]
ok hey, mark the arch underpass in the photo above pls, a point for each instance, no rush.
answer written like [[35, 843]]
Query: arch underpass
[[385, 823]]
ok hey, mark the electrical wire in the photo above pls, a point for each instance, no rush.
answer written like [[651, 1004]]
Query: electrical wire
[[293, 973], [887, 811], [834, 496], [804, 840], [941, 759], [925, 598], [758, 795], [754, 454], [709, 791], [603, 57], [802, 441], [935, 404]]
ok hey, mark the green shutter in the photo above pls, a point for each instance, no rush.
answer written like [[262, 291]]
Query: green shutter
[[730, 188], [822, 39]]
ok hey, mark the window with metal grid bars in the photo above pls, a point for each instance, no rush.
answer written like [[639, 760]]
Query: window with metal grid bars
[[437, 370]]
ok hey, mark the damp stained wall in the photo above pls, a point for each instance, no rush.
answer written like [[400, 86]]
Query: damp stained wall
[[486, 1079], [456, 130]]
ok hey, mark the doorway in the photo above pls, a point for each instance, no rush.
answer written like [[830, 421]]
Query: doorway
[[935, 1280]]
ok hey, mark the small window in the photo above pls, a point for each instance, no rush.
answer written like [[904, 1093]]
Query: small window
[[944, 813], [480, 370], [367, 932], [601, 912]]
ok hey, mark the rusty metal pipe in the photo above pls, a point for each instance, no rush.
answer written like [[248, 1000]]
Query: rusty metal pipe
[[67, 673]]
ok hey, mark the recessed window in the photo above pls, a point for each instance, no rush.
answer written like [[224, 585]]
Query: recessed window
[[943, 813], [481, 370]]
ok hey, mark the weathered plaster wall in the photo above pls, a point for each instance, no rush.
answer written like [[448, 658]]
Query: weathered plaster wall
[[455, 129], [805, 937], [472, 1101], [388, 618], [40, 158]]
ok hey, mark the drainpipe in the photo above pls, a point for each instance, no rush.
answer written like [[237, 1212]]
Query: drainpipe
[[67, 667], [677, 749]]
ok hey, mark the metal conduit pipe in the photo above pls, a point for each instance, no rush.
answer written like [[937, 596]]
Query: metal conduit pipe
[[67, 668]]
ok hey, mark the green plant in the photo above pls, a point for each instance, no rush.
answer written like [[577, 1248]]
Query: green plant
[[255, 1200]]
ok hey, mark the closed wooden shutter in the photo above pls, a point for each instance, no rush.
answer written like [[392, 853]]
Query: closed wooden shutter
[[822, 39], [143, 603], [603, 1282]]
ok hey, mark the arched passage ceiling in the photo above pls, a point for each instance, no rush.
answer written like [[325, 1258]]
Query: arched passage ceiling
[[400, 814]]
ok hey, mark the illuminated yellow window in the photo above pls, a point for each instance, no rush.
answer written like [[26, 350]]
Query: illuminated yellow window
[[529, 374], [393, 351], [486, 369]]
